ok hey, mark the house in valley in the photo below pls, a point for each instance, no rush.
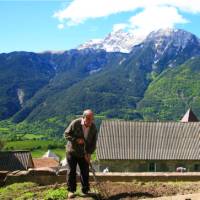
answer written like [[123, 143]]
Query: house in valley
[[139, 146]]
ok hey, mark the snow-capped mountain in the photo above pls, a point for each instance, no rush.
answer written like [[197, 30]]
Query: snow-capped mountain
[[168, 47], [117, 41], [163, 38], [172, 42]]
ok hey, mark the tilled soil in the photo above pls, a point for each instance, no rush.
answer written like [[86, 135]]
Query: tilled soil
[[133, 190], [141, 190]]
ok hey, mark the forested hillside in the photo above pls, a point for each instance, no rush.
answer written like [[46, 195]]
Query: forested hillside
[[158, 80]]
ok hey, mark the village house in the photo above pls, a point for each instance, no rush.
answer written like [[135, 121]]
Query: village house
[[15, 160], [22, 160], [138, 146], [19, 166]]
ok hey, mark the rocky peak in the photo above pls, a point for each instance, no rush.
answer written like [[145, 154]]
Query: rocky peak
[[116, 41]]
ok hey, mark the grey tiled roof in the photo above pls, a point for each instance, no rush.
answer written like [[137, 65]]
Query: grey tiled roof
[[15, 160], [149, 140]]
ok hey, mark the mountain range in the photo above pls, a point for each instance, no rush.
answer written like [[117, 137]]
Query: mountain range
[[154, 78]]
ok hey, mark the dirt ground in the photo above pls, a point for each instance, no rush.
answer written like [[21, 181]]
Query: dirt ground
[[114, 190], [134, 191], [142, 190]]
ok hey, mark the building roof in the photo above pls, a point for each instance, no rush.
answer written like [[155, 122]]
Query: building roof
[[148, 140], [189, 117], [15, 160], [45, 162], [50, 154]]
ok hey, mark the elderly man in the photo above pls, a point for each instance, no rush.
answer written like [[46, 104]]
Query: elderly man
[[81, 135]]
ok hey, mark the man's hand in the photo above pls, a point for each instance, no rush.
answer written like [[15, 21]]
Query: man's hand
[[80, 141], [87, 158]]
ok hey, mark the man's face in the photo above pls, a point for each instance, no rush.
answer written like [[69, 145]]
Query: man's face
[[88, 119]]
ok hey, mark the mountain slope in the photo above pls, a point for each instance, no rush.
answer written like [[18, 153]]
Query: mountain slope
[[172, 92], [120, 80], [54, 98], [22, 74], [112, 84]]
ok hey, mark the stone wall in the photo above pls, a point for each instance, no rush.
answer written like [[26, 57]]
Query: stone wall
[[45, 177], [148, 165]]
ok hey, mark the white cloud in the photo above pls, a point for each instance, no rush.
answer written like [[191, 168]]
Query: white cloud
[[154, 18], [192, 6], [80, 10], [154, 14], [61, 26], [117, 27]]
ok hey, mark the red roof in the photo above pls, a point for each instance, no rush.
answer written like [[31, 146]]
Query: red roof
[[45, 162]]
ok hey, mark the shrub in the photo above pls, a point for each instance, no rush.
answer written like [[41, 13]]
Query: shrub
[[56, 194]]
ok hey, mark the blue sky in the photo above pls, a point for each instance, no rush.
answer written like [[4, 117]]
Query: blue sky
[[40, 25]]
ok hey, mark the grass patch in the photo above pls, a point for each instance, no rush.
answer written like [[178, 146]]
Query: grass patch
[[33, 145], [15, 190], [3, 129], [30, 191], [28, 144], [31, 136], [60, 152], [55, 194], [39, 153], [26, 196], [37, 147]]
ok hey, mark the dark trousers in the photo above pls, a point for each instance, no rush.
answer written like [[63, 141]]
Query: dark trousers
[[73, 160]]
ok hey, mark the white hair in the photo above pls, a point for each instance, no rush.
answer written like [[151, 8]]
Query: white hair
[[87, 112]]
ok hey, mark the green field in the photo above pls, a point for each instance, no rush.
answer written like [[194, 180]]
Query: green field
[[60, 152], [31, 136], [37, 147], [29, 144], [39, 153]]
